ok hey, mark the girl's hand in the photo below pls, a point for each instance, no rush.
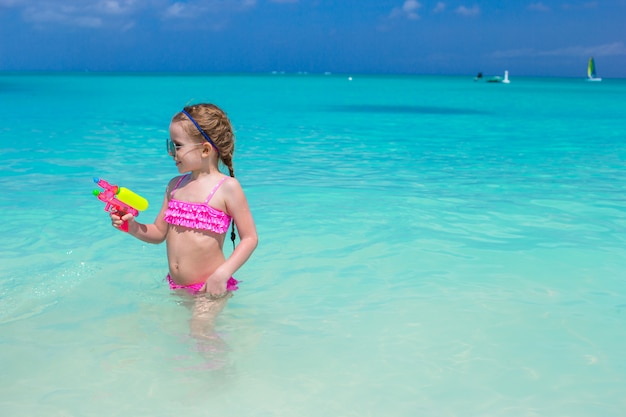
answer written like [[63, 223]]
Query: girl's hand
[[215, 286], [116, 220]]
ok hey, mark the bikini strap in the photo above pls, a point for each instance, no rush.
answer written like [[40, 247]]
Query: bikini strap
[[177, 184], [215, 189]]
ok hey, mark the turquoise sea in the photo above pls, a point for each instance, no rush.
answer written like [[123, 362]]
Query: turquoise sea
[[429, 246]]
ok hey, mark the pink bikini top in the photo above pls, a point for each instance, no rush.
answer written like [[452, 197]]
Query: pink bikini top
[[197, 215]]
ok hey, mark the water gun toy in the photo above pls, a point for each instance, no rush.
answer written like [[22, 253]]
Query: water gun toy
[[119, 200]]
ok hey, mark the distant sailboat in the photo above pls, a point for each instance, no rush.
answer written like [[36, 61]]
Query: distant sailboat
[[591, 71]]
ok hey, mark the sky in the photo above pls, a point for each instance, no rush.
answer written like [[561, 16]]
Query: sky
[[422, 37]]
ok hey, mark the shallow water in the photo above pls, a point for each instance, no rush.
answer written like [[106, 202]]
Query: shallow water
[[428, 245]]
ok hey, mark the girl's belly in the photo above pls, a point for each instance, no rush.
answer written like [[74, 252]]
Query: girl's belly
[[193, 255]]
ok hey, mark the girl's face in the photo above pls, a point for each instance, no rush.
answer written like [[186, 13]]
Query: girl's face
[[186, 153]]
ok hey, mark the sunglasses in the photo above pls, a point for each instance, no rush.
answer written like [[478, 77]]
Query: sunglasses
[[172, 147]]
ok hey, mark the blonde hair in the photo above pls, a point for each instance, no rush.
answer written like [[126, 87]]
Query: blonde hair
[[215, 124]]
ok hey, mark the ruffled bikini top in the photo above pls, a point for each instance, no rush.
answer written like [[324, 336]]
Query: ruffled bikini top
[[197, 215]]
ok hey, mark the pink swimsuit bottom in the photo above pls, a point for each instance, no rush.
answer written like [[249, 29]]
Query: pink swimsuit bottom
[[231, 285]]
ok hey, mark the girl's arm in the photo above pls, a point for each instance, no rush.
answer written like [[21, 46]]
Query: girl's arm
[[237, 207]]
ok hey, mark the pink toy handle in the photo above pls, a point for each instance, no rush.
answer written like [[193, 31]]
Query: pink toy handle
[[121, 210]]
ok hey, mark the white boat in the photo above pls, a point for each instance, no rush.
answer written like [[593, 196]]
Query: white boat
[[591, 71], [494, 79], [506, 77]]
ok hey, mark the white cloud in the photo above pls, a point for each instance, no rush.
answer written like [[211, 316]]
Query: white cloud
[[60, 14], [88, 21], [122, 14], [409, 9], [178, 10], [580, 6], [439, 7], [609, 49], [128, 26], [468, 11], [9, 3], [116, 7], [200, 8], [515, 53], [78, 13]]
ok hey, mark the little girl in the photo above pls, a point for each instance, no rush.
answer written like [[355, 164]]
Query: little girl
[[199, 207]]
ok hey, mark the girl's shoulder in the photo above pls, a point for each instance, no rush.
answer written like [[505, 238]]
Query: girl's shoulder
[[174, 183], [177, 179], [229, 183], [232, 191]]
